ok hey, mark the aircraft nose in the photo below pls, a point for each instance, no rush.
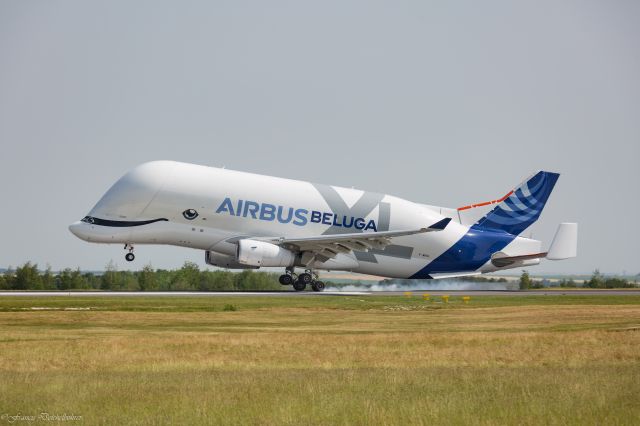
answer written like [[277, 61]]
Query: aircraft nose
[[77, 229]]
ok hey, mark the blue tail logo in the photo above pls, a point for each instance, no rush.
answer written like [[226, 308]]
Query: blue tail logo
[[522, 207], [515, 212]]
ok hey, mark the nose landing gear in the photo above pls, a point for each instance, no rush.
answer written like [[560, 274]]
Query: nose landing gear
[[129, 256], [301, 281]]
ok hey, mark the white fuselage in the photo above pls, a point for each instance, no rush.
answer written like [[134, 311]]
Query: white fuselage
[[165, 202]]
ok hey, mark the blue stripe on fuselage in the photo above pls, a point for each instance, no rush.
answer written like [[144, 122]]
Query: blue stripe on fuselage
[[472, 251]]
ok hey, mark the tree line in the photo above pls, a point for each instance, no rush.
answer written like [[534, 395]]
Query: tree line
[[187, 278], [191, 278], [597, 280]]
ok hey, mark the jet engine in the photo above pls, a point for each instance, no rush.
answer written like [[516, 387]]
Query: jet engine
[[224, 261], [260, 253]]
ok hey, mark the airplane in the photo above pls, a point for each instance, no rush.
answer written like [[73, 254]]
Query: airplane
[[248, 221]]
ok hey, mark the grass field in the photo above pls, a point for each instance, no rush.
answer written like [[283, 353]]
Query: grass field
[[322, 360]]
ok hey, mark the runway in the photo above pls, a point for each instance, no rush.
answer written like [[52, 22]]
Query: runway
[[552, 293], [177, 293], [585, 292]]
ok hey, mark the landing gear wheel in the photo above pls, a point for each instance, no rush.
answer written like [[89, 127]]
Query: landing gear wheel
[[305, 278], [317, 286], [299, 285], [286, 279], [129, 256]]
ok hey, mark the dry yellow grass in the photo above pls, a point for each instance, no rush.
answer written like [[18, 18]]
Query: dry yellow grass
[[546, 364]]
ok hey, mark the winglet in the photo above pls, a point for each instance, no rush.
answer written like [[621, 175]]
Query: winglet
[[439, 226], [565, 242]]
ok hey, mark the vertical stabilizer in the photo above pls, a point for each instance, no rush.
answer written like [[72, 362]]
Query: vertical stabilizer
[[521, 207]]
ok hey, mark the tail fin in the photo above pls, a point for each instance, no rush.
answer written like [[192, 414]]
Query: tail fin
[[521, 207]]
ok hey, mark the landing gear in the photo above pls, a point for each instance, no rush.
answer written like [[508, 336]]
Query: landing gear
[[299, 285], [306, 278], [286, 279], [317, 286], [289, 277], [129, 256], [301, 281]]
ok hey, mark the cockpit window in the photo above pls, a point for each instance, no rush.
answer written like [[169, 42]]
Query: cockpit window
[[87, 219]]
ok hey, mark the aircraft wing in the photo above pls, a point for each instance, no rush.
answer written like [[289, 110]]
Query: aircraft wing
[[324, 247]]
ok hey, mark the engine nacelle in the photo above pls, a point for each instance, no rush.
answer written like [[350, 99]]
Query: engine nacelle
[[260, 253], [224, 261]]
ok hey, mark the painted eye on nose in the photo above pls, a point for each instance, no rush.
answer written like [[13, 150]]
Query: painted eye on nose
[[190, 214]]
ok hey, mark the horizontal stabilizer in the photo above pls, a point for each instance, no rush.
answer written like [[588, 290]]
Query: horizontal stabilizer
[[501, 261], [563, 246], [565, 243]]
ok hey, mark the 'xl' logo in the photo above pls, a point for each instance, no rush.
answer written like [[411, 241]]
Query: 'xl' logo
[[362, 208]]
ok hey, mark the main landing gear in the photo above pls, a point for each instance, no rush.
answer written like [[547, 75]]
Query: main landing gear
[[129, 256], [301, 281]]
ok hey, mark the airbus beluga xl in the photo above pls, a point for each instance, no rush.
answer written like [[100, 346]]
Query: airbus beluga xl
[[243, 220]]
